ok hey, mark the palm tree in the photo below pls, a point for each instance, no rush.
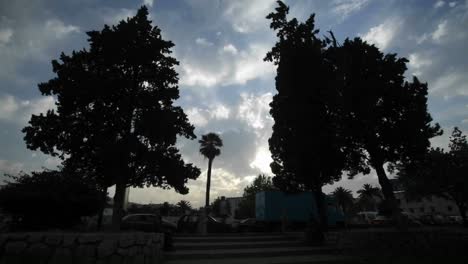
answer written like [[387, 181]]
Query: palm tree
[[368, 193], [343, 197], [184, 206], [209, 147]]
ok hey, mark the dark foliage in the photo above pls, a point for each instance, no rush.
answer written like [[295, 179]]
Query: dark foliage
[[306, 140], [440, 173], [50, 199], [343, 197], [246, 208], [115, 117], [215, 208], [385, 117]]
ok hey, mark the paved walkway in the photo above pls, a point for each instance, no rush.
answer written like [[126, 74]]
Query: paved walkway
[[260, 248]]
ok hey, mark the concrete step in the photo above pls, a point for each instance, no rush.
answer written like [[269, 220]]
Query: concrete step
[[221, 238], [246, 252], [238, 244], [313, 259]]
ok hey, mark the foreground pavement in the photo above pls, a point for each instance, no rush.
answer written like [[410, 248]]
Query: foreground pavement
[[244, 248]]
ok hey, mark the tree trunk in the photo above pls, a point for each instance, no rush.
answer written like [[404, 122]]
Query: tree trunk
[[117, 212], [101, 211], [462, 209], [389, 196], [208, 183], [317, 228]]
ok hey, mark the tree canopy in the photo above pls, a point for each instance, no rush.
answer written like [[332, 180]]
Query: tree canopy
[[246, 207], [304, 144], [115, 115], [50, 199], [385, 117], [440, 173]]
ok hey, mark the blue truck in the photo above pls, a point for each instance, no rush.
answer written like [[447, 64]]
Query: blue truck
[[273, 206]]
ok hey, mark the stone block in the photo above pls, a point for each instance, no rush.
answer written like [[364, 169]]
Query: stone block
[[85, 251], [35, 238], [15, 248], [106, 248], [61, 255], [53, 239], [39, 250], [89, 238], [18, 237], [69, 240], [127, 240]]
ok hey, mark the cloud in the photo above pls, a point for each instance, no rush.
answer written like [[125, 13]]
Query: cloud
[[452, 4], [148, 3], [439, 4], [203, 42], [112, 16], [229, 48], [19, 111], [246, 16], [262, 160], [196, 116], [344, 8], [440, 32], [224, 70], [5, 36], [254, 110], [383, 34], [10, 167], [60, 29], [450, 83], [418, 62]]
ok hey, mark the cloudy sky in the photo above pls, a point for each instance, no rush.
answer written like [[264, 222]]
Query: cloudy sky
[[225, 85]]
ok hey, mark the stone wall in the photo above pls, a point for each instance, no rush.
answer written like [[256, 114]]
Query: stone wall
[[49, 248], [422, 241]]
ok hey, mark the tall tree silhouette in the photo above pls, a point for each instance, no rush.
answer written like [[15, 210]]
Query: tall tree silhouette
[[305, 144], [367, 195], [343, 197], [210, 148], [115, 110], [440, 173], [385, 117]]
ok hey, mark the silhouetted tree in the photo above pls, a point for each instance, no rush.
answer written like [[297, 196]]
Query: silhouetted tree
[[305, 144], [246, 207], [440, 173], [385, 117], [210, 148], [343, 197], [216, 207], [115, 111], [50, 199], [367, 196], [184, 206]]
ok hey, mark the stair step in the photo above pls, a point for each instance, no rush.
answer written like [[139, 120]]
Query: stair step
[[246, 252], [313, 259], [238, 244], [198, 239]]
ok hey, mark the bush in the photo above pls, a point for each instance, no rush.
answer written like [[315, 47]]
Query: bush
[[49, 199]]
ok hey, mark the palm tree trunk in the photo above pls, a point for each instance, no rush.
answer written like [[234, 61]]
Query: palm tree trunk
[[208, 183]]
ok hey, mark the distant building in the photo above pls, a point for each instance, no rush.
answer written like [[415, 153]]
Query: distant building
[[233, 204], [431, 205]]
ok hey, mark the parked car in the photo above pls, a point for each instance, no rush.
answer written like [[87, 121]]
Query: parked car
[[455, 219], [147, 223], [381, 220], [189, 224], [250, 225], [433, 219]]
